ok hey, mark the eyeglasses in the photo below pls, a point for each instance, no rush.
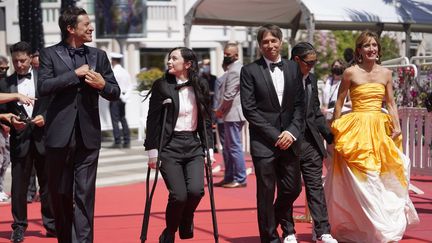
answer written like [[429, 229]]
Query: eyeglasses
[[4, 69], [309, 63]]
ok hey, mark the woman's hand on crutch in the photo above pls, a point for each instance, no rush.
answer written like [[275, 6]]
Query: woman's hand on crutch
[[152, 163]]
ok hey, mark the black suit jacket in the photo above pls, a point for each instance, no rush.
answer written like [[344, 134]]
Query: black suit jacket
[[315, 120], [73, 99], [20, 141], [266, 117], [161, 90]]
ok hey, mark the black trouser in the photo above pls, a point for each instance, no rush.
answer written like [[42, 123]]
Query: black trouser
[[118, 115], [21, 172], [283, 171], [32, 188], [311, 167], [182, 167], [72, 185]]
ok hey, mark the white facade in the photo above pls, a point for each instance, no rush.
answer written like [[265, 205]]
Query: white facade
[[164, 31]]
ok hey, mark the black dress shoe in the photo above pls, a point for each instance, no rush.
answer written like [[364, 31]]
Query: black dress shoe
[[166, 237], [234, 185], [220, 183], [17, 235], [126, 145], [186, 228]]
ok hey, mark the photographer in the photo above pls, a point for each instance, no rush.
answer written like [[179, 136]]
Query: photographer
[[26, 141]]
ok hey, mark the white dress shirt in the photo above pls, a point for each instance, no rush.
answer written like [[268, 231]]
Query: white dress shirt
[[187, 119], [26, 87], [188, 110], [278, 79], [124, 81]]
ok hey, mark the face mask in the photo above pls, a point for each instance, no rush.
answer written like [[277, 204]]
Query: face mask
[[205, 69], [337, 70], [228, 60]]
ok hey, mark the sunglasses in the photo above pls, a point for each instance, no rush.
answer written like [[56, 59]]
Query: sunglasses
[[309, 63], [4, 68]]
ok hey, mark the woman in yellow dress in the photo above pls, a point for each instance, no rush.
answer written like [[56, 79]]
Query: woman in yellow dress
[[367, 185]]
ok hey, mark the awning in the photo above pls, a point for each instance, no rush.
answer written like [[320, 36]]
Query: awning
[[378, 15]]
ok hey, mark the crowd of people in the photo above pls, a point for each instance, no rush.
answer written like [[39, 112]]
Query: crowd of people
[[50, 125]]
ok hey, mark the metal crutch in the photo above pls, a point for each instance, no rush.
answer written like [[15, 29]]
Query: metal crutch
[[149, 197], [209, 176]]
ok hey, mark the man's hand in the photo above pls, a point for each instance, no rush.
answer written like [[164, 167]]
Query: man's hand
[[8, 117], [95, 80], [82, 71], [38, 121], [152, 163], [18, 125], [25, 100], [284, 140]]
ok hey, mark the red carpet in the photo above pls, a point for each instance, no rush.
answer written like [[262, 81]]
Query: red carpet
[[119, 215]]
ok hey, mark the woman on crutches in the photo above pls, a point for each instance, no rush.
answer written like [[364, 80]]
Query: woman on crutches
[[183, 147]]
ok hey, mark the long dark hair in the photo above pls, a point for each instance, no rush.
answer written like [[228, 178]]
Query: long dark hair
[[201, 88]]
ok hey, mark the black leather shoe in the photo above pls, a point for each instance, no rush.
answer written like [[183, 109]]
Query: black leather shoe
[[166, 237], [17, 235], [186, 228], [126, 145]]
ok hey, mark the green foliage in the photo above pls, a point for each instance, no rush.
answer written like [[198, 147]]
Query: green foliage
[[146, 78], [389, 48], [330, 46]]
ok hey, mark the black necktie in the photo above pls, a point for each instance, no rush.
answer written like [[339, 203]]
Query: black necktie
[[276, 64], [179, 86], [27, 76], [76, 51]]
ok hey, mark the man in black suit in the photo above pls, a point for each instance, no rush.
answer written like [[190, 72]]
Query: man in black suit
[[312, 144], [74, 75], [272, 99], [26, 141]]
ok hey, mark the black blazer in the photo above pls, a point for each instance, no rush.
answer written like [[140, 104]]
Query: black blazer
[[315, 120], [161, 90], [73, 99], [20, 141], [266, 117]]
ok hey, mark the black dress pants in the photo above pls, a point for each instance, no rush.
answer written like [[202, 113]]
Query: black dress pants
[[118, 115], [21, 172], [311, 165], [72, 185], [284, 171], [182, 168]]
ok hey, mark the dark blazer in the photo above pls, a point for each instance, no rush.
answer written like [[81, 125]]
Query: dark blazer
[[315, 120], [161, 90], [20, 141], [73, 99], [266, 117]]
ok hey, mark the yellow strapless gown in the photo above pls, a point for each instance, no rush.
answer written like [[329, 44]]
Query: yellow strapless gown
[[367, 184]]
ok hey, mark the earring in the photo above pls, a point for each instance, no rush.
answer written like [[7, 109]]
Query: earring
[[360, 59]]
